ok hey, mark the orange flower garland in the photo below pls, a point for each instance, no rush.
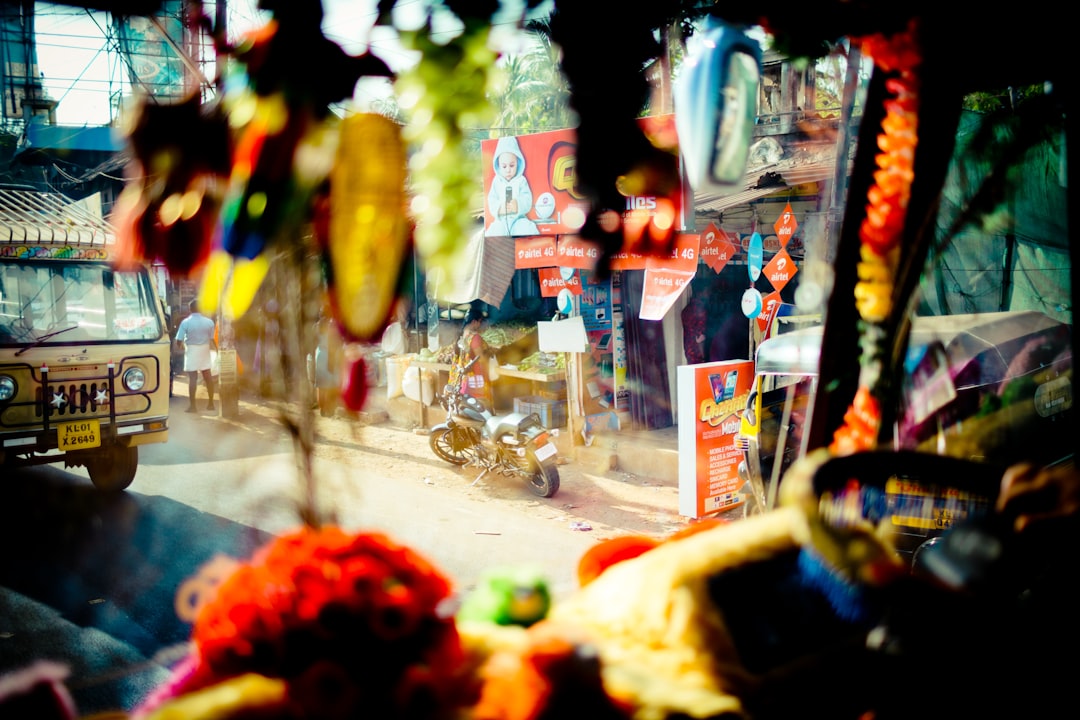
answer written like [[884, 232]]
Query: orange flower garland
[[883, 225], [349, 622]]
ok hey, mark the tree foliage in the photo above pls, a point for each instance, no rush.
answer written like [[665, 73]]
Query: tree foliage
[[535, 95]]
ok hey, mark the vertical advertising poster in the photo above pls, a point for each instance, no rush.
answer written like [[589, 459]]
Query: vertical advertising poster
[[595, 301], [666, 278], [618, 344], [598, 365], [712, 397], [156, 67], [618, 341]]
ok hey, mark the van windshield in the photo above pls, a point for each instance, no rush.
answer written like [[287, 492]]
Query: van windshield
[[50, 303]]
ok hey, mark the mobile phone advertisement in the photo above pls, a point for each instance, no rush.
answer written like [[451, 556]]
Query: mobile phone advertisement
[[712, 397]]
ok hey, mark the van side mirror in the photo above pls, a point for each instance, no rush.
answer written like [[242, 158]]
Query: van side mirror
[[715, 97]]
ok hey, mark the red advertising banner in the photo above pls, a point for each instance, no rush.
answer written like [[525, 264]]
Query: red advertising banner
[[712, 397], [667, 277], [571, 251], [684, 255], [534, 252], [716, 247], [628, 261], [661, 290], [551, 282]]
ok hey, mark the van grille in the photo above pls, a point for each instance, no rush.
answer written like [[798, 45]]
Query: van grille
[[70, 398], [78, 400]]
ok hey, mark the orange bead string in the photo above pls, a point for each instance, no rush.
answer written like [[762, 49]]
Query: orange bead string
[[883, 225]]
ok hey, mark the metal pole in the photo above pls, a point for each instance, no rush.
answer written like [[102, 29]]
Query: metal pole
[[221, 27]]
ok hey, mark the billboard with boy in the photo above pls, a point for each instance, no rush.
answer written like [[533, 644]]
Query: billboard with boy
[[530, 183]]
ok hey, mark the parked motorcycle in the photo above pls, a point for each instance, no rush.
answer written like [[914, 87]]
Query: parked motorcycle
[[515, 444]]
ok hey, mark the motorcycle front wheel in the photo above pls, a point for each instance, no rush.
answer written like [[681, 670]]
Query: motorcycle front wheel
[[453, 444], [544, 479]]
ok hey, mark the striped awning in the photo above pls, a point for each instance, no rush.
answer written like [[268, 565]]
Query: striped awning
[[28, 216], [483, 272]]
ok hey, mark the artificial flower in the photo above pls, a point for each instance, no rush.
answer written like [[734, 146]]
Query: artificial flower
[[349, 622]]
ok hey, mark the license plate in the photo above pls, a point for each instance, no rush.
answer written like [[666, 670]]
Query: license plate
[[79, 435], [545, 451]]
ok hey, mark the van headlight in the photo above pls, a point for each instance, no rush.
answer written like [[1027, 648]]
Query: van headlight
[[8, 388], [134, 379]]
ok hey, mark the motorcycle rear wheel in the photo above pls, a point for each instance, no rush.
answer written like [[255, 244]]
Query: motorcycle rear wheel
[[544, 480], [453, 445]]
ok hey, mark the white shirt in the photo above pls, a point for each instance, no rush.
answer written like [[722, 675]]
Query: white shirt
[[196, 329]]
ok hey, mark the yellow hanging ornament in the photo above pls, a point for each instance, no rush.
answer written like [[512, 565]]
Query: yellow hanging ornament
[[369, 234]]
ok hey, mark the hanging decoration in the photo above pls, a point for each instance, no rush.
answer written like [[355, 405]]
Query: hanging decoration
[[752, 302], [215, 188], [365, 237], [446, 95], [717, 248], [882, 228], [780, 269], [176, 177], [785, 225], [278, 104]]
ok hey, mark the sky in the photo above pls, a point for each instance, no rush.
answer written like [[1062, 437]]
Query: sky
[[82, 74]]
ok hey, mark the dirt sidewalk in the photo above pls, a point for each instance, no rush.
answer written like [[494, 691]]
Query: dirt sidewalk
[[605, 503]]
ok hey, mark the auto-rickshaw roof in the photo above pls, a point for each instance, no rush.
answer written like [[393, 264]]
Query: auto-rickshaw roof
[[798, 352]]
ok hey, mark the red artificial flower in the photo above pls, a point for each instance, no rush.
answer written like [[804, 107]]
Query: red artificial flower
[[861, 421]]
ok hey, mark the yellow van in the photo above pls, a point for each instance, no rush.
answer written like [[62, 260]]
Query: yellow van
[[84, 349]]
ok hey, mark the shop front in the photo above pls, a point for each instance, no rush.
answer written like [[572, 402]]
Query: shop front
[[622, 378], [743, 254]]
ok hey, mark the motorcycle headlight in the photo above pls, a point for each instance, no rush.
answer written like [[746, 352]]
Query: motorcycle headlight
[[134, 379], [8, 388]]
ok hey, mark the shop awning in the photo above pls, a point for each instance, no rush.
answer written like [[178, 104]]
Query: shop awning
[[777, 177], [483, 272]]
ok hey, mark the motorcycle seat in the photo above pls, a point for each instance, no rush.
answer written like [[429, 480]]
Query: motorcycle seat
[[510, 425]]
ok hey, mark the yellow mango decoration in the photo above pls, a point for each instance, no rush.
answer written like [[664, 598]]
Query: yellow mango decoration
[[369, 234]]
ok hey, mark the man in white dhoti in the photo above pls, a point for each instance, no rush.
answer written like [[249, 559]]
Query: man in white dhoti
[[196, 336]]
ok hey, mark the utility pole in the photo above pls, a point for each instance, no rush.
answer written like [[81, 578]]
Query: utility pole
[[221, 28]]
